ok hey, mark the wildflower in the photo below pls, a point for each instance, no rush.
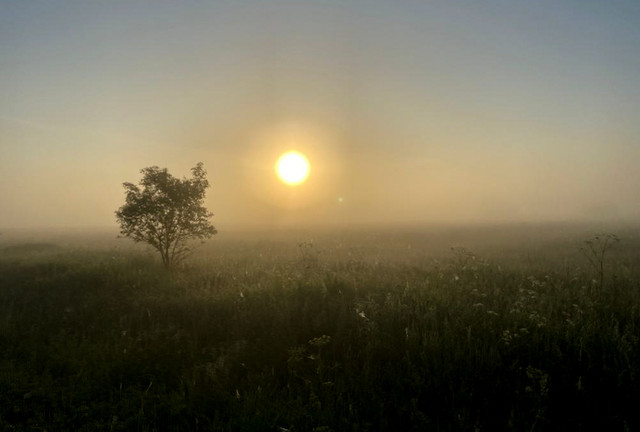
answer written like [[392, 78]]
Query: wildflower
[[507, 337], [320, 341]]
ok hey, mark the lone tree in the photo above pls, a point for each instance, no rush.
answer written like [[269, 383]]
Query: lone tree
[[166, 212]]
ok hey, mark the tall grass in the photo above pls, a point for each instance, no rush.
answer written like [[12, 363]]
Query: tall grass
[[324, 335]]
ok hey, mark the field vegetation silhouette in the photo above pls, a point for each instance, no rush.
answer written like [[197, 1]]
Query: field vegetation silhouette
[[370, 331]]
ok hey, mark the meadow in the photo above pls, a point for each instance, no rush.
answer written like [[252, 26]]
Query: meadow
[[409, 329]]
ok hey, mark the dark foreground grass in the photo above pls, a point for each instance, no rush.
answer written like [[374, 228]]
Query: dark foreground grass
[[308, 341]]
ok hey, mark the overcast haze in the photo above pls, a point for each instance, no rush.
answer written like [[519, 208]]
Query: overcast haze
[[424, 111]]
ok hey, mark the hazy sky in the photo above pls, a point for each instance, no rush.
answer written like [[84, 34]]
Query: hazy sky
[[409, 111]]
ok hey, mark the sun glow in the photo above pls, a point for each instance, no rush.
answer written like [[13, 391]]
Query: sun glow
[[292, 168]]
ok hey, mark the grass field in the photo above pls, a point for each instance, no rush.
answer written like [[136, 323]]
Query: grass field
[[450, 329]]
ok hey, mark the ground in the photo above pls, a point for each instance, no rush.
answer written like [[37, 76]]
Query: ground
[[443, 328]]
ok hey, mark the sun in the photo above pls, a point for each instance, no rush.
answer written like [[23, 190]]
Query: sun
[[292, 168]]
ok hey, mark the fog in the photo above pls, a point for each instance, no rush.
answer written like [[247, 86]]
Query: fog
[[409, 112]]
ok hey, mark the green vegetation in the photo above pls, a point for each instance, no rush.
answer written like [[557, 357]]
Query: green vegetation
[[345, 333]]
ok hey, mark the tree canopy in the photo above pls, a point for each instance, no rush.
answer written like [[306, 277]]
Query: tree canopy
[[166, 212]]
